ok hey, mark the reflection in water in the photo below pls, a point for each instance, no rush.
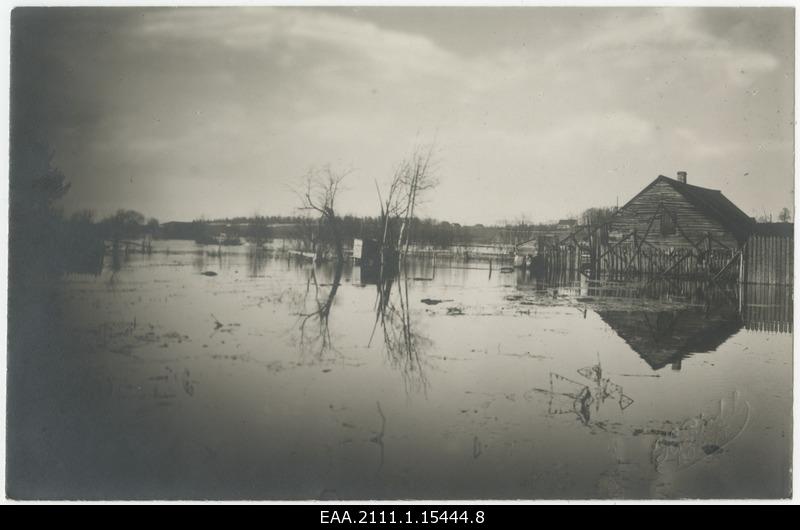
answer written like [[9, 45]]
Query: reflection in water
[[256, 260], [668, 337], [403, 344], [767, 308], [160, 376], [315, 334], [669, 320]]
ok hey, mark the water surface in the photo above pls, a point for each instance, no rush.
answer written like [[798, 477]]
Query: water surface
[[277, 379]]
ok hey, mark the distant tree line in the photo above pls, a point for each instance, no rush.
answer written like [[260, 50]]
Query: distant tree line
[[426, 232]]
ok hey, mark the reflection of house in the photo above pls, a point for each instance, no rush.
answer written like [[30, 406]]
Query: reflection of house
[[667, 337]]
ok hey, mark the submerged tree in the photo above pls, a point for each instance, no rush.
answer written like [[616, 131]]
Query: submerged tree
[[124, 223], [258, 230], [412, 178], [318, 194]]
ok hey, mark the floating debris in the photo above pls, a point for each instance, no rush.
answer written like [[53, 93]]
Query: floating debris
[[477, 448], [433, 301], [208, 273]]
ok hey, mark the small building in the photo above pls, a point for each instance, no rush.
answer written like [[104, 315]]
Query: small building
[[366, 252], [671, 213], [672, 228]]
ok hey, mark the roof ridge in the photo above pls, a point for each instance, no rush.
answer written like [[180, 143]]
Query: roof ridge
[[714, 201], [689, 185]]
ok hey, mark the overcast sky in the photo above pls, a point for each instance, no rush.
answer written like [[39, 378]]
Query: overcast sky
[[540, 112]]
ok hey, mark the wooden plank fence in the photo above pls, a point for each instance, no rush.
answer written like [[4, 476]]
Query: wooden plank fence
[[762, 260], [769, 260], [629, 260]]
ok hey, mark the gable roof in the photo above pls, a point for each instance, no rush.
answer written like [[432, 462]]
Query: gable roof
[[711, 202]]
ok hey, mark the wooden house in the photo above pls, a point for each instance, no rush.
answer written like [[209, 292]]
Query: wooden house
[[672, 228], [671, 213]]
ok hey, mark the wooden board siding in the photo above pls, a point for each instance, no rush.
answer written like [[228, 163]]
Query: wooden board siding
[[636, 215]]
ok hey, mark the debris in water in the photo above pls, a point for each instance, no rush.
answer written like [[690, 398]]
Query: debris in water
[[433, 301], [454, 311], [476, 447], [208, 273]]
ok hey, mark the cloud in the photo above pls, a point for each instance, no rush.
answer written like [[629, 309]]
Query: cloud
[[175, 110]]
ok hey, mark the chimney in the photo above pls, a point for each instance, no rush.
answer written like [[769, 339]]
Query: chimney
[[682, 177]]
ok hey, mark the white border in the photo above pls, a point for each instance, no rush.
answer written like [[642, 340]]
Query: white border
[[4, 132]]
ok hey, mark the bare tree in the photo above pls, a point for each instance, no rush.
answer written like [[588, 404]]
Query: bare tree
[[413, 177], [785, 216], [318, 194]]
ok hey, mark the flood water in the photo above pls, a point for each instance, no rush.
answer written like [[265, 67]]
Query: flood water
[[271, 379]]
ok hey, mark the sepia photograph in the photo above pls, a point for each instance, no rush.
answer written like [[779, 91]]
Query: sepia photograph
[[400, 253]]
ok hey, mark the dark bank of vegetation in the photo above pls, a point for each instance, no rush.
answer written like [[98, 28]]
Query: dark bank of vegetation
[[43, 241]]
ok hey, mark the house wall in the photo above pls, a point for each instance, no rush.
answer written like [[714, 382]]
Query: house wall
[[694, 223]]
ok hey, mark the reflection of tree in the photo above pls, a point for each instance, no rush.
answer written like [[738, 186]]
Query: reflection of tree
[[257, 260], [315, 336], [403, 344]]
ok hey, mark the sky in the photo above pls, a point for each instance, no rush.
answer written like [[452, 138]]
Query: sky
[[533, 113]]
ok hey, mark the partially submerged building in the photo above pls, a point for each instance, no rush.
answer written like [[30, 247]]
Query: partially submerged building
[[671, 213], [673, 228]]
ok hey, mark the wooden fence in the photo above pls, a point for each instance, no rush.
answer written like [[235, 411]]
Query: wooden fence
[[762, 260], [627, 260], [768, 260]]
